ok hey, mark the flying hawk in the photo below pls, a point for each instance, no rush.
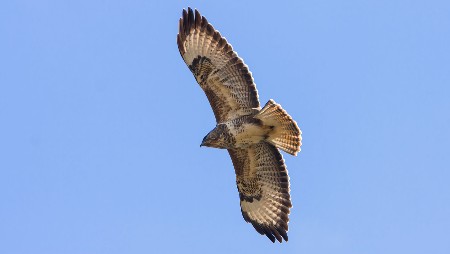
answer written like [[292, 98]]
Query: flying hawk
[[251, 135]]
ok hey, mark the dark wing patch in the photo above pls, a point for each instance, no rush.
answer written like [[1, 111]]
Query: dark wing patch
[[201, 67], [221, 73], [263, 184]]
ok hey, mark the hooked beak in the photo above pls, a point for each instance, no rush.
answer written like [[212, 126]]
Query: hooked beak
[[203, 142]]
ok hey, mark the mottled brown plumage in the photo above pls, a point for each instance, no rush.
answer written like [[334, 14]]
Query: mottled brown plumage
[[250, 134]]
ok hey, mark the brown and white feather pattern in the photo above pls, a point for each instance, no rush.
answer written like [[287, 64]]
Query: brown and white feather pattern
[[263, 184], [221, 73], [261, 175], [286, 134]]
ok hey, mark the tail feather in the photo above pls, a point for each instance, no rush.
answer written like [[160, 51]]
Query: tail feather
[[285, 133]]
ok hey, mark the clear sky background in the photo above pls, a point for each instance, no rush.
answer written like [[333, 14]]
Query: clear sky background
[[101, 121]]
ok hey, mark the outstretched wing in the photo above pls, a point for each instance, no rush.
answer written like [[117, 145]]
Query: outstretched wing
[[263, 184], [221, 73]]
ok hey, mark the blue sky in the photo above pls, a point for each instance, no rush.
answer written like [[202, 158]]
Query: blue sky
[[101, 123]]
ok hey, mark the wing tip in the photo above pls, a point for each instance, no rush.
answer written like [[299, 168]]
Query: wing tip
[[190, 18], [275, 233]]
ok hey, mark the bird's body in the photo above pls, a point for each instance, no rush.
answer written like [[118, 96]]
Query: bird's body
[[240, 132], [251, 134]]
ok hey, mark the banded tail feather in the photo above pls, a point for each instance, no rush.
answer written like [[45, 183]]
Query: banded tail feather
[[285, 134]]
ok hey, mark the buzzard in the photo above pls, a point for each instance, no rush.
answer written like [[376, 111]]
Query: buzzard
[[251, 134]]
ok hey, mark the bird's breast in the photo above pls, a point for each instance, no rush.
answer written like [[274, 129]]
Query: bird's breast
[[247, 132]]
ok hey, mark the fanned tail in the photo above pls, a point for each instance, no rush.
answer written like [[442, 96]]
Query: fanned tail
[[285, 133]]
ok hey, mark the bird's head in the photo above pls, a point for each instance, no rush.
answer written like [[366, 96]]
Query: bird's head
[[217, 138]]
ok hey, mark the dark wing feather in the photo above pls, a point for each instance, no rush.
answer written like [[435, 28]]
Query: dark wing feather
[[263, 184], [221, 73]]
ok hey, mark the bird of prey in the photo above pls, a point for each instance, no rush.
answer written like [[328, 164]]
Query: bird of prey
[[251, 134]]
